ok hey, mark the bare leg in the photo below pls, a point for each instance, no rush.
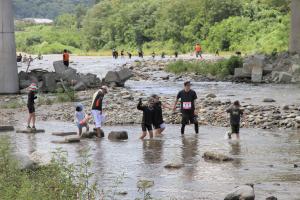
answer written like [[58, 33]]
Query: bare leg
[[29, 119], [98, 132], [33, 120], [151, 134], [144, 134], [238, 136]]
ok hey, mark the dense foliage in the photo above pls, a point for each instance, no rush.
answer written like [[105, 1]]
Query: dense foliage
[[166, 25], [46, 8]]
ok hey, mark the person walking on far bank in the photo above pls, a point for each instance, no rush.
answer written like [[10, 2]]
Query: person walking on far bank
[[187, 99], [235, 112], [66, 58], [97, 110], [30, 106], [198, 50]]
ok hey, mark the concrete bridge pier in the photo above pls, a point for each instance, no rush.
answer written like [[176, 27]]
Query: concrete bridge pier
[[9, 81], [295, 27]]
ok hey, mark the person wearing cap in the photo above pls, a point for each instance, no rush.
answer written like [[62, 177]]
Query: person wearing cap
[[187, 98], [30, 105], [235, 112], [158, 121], [97, 111]]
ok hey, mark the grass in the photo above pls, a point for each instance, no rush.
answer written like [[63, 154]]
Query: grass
[[220, 69]]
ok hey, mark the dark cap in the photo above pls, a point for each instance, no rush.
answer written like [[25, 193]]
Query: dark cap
[[187, 83], [154, 96]]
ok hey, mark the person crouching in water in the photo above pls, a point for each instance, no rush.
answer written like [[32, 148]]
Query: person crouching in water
[[30, 105], [148, 114], [158, 121], [81, 119], [97, 109], [235, 112]]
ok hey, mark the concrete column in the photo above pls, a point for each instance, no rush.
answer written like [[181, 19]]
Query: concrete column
[[295, 26], [9, 81]]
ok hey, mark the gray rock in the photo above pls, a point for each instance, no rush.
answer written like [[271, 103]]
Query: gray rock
[[268, 69], [49, 82], [118, 135], [174, 166], [40, 159], [112, 77], [59, 67], [218, 157], [245, 192], [268, 100], [118, 77], [211, 95], [6, 128], [125, 74], [271, 198], [72, 139], [64, 133], [285, 77], [80, 86], [90, 80], [24, 162], [241, 73], [257, 73]]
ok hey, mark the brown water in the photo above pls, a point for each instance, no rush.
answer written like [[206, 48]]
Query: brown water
[[263, 158]]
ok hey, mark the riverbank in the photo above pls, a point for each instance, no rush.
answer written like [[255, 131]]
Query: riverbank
[[120, 104]]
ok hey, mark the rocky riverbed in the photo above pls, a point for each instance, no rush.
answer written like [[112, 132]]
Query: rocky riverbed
[[120, 104]]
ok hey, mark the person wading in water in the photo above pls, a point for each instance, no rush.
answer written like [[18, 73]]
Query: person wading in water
[[187, 98], [97, 109]]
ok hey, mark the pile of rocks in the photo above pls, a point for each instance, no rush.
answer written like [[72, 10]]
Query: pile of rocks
[[281, 68], [62, 77]]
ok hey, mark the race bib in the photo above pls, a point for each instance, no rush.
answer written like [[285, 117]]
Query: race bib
[[187, 105]]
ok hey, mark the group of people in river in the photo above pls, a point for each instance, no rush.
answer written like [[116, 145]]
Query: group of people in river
[[152, 119]]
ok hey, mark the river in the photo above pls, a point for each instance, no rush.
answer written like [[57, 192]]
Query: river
[[264, 158]]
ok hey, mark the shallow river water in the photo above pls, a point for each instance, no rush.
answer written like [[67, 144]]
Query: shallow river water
[[264, 158]]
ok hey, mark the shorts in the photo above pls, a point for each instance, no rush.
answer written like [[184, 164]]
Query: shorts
[[159, 126], [80, 126], [235, 128], [146, 127], [189, 118], [31, 109], [66, 63], [98, 118], [199, 54]]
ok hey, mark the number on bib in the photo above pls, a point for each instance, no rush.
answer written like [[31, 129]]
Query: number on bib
[[187, 105]]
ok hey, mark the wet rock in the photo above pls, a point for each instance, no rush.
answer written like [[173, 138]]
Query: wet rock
[[271, 198], [6, 128], [64, 133], [144, 184], [217, 157], [72, 139], [268, 100], [118, 135], [245, 192], [88, 135], [40, 159], [118, 77], [31, 131], [174, 166], [241, 73], [211, 95], [90, 80], [286, 107], [24, 162], [295, 166]]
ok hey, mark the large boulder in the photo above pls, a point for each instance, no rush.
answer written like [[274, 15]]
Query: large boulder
[[118, 77], [241, 73], [59, 67], [257, 61], [90, 80], [245, 192], [285, 77], [49, 82], [257, 74], [118, 135]]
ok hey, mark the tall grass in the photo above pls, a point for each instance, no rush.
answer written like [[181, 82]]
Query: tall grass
[[220, 68]]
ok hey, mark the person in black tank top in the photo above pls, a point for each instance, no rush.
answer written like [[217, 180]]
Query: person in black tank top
[[148, 116], [187, 106]]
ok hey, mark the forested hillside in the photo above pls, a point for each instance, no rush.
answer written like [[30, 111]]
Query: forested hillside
[[46, 8], [226, 25]]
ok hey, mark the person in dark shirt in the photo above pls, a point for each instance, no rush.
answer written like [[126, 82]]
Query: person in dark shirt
[[129, 55], [30, 105], [235, 112], [148, 114], [97, 111], [187, 98], [158, 121]]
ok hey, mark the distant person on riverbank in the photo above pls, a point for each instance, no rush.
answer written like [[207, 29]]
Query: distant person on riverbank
[[30, 106], [187, 98], [217, 53], [158, 121], [163, 55], [141, 54], [66, 58], [97, 110], [40, 57], [198, 50], [25, 59], [122, 53], [81, 119], [153, 55], [148, 114], [19, 58], [176, 54], [129, 55], [235, 112]]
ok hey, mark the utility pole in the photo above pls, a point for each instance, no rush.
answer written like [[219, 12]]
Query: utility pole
[[295, 27], [9, 81]]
